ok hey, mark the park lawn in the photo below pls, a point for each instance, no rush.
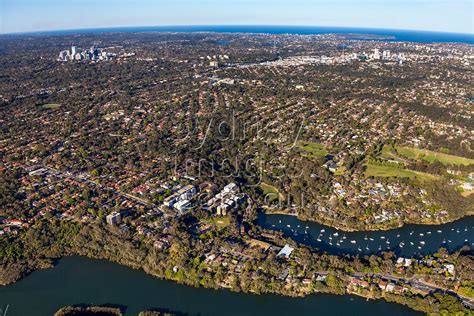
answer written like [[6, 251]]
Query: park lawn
[[219, 222], [466, 291], [388, 171], [341, 171], [432, 156], [388, 152], [314, 149], [270, 189], [50, 106]]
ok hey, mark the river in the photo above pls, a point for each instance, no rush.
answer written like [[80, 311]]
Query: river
[[79, 280], [409, 240]]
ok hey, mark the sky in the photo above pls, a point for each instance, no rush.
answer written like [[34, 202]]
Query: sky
[[430, 15]]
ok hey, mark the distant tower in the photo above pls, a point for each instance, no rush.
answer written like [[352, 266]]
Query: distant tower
[[214, 63], [376, 53], [73, 50]]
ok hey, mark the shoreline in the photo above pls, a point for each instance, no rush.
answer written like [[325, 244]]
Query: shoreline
[[109, 244], [347, 229], [300, 294]]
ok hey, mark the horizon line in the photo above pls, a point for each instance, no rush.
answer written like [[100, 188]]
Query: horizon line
[[78, 30]]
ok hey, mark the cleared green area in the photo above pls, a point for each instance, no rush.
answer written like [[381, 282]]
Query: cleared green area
[[314, 149], [388, 171], [341, 171], [50, 106], [219, 222], [390, 153], [271, 192], [467, 289], [432, 156]]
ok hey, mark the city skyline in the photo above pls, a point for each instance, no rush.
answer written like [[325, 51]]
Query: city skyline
[[48, 15]]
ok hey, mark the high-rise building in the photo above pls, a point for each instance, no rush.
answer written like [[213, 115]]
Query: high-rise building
[[63, 55], [73, 50], [376, 53], [114, 219]]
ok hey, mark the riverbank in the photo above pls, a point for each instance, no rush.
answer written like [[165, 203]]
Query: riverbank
[[339, 225], [88, 311], [407, 241], [51, 241], [99, 282]]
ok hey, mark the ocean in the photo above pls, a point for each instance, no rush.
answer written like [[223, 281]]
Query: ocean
[[398, 35]]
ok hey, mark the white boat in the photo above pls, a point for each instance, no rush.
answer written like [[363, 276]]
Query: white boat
[[421, 234], [338, 244], [444, 241], [330, 238], [429, 233], [449, 240], [365, 238], [288, 225], [465, 229], [371, 239], [322, 230], [398, 235], [279, 221], [400, 245], [380, 247], [335, 234], [465, 240], [358, 249], [330, 243], [319, 239], [382, 237], [388, 241], [422, 242], [367, 247], [419, 247], [411, 243], [344, 236], [353, 241], [439, 231], [457, 230], [411, 233], [298, 226], [307, 227], [273, 225]]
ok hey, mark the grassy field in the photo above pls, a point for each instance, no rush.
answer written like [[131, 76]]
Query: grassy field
[[314, 149], [341, 171], [387, 171], [271, 192], [432, 156], [50, 106], [388, 152], [219, 222]]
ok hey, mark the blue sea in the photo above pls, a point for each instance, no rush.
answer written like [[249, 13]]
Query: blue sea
[[398, 35]]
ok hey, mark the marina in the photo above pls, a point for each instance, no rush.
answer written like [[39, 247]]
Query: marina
[[410, 240]]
